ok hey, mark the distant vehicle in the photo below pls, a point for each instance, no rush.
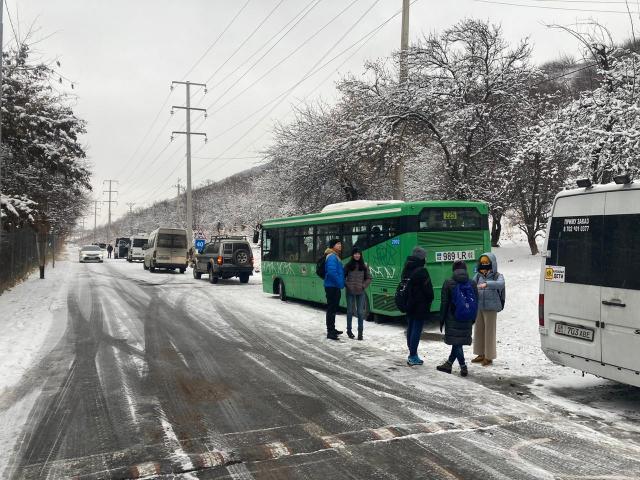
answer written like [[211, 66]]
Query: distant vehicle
[[386, 232], [589, 283], [120, 247], [135, 252], [103, 249], [90, 253], [224, 257], [166, 248]]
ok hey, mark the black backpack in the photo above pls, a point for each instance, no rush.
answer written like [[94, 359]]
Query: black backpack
[[403, 292], [320, 266]]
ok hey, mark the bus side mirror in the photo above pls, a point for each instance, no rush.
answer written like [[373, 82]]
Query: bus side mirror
[[256, 236]]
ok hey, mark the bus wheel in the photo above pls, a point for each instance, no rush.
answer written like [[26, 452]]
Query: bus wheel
[[282, 293]]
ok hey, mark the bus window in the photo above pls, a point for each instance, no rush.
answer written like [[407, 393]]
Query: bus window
[[291, 247], [382, 230], [307, 252], [439, 219], [354, 235], [324, 234], [270, 245]]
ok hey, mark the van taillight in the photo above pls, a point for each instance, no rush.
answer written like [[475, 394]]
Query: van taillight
[[219, 260], [541, 309]]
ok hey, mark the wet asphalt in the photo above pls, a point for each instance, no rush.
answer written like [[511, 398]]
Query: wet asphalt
[[160, 375]]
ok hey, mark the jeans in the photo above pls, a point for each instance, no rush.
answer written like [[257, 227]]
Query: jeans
[[456, 354], [333, 302], [358, 301], [414, 331]]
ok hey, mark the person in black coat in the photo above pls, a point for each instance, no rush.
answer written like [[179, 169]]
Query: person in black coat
[[420, 299], [457, 333]]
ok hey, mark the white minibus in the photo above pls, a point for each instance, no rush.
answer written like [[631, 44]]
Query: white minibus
[[589, 301]]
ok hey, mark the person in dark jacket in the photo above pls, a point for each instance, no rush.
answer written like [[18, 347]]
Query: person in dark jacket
[[109, 250], [420, 299], [357, 279], [333, 285], [457, 333]]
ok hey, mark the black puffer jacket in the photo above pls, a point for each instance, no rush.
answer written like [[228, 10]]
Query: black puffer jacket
[[421, 293], [455, 332]]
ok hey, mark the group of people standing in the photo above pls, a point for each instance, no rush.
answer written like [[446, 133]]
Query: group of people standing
[[468, 305]]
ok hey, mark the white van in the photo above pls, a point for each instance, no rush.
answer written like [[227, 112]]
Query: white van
[[166, 248], [136, 243], [590, 282]]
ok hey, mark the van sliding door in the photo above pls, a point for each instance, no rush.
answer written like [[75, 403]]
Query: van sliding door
[[573, 276], [621, 280]]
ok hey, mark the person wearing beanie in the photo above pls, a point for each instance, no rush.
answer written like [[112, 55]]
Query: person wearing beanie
[[333, 285], [357, 279], [420, 299], [491, 299], [458, 310]]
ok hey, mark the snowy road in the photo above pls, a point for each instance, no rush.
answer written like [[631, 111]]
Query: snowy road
[[161, 374]]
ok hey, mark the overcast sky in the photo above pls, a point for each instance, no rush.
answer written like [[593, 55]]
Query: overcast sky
[[123, 54]]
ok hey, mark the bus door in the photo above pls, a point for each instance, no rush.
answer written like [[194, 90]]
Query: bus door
[[620, 325]]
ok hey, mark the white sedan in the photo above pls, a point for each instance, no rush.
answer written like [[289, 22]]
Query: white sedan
[[90, 253]]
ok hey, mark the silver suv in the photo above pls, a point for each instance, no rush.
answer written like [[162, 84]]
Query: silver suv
[[224, 257]]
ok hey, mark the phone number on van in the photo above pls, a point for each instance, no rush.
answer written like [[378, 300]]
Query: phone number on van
[[457, 255]]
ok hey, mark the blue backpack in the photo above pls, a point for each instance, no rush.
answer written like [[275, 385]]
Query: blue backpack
[[465, 301]]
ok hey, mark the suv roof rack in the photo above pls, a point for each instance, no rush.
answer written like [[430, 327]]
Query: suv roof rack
[[228, 237]]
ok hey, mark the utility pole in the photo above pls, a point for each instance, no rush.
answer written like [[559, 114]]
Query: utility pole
[[130, 205], [188, 133], [110, 191], [398, 184], [178, 203], [95, 218]]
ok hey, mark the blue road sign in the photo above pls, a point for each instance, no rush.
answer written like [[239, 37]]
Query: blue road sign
[[199, 243]]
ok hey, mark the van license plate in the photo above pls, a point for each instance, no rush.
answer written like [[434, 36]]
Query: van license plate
[[457, 255], [575, 332]]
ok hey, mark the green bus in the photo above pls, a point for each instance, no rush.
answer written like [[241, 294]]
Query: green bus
[[385, 232]]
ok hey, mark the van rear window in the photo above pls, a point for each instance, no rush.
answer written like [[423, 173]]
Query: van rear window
[[597, 250], [139, 242], [172, 240]]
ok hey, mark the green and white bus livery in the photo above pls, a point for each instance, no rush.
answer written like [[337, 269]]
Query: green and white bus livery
[[385, 232]]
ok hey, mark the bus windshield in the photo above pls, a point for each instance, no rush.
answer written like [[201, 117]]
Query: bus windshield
[[450, 218]]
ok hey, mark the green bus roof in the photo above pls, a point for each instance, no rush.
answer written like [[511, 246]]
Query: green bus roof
[[399, 209]]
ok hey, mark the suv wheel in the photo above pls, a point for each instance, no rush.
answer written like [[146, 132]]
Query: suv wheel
[[282, 293], [144, 265], [241, 257], [244, 278], [151, 267], [196, 274]]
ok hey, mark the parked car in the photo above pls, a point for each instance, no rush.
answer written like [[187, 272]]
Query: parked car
[[166, 248], [120, 247], [224, 257], [103, 249], [589, 283], [135, 252], [90, 253]]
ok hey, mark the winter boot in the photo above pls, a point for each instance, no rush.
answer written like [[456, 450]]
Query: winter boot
[[464, 371], [414, 360], [350, 334], [338, 332], [332, 336], [486, 362], [445, 367], [359, 334], [478, 359]]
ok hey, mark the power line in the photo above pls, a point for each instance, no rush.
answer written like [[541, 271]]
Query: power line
[[554, 8], [213, 44], [309, 74]]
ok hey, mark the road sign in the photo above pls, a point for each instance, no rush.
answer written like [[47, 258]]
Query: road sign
[[199, 243]]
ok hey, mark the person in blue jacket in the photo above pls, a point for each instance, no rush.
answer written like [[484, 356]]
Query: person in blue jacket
[[333, 284]]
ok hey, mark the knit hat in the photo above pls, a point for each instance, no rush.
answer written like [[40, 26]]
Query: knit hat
[[459, 265], [333, 242], [355, 250], [419, 253]]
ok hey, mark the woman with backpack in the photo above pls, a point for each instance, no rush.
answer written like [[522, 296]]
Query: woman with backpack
[[491, 298], [419, 299], [458, 310], [357, 279]]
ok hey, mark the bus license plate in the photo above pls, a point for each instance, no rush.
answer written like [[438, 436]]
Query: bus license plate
[[574, 331], [453, 256]]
